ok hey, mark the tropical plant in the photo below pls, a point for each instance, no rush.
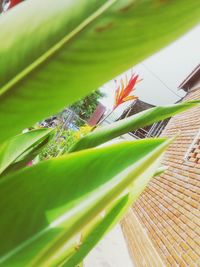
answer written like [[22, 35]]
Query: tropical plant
[[123, 91], [122, 94], [54, 213]]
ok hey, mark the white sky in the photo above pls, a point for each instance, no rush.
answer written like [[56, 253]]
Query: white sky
[[162, 72]]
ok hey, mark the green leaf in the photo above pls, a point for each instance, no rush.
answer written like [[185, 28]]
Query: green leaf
[[98, 229], [27, 157], [101, 226], [13, 149], [142, 119], [50, 59], [55, 200]]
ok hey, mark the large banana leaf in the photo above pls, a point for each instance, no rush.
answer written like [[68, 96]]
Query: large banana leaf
[[101, 225], [54, 52], [142, 119], [14, 148], [53, 201], [97, 230]]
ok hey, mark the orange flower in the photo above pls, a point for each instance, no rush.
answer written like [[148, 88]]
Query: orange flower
[[122, 93]]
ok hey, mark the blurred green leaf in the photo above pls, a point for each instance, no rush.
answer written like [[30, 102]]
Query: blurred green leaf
[[16, 147], [142, 119], [102, 225], [54, 52], [97, 230], [27, 157], [55, 200]]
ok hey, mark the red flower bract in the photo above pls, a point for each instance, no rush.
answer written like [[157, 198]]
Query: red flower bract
[[123, 91], [10, 4], [14, 3]]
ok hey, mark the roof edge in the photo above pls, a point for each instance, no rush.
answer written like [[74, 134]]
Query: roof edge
[[190, 79]]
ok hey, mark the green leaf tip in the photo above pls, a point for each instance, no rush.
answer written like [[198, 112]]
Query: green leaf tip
[[139, 120]]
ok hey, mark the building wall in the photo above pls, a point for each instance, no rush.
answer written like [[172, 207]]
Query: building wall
[[169, 209], [196, 85]]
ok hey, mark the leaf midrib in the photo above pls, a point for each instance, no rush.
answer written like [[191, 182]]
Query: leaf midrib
[[56, 47]]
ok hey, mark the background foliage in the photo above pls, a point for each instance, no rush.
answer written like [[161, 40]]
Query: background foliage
[[87, 105]]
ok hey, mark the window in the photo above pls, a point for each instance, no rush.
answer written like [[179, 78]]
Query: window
[[193, 153]]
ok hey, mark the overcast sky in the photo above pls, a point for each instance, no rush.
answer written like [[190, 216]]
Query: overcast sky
[[163, 72]]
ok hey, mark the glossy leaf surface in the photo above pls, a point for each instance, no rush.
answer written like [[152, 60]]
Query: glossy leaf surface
[[54, 201], [54, 52], [97, 230], [14, 148], [142, 119]]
